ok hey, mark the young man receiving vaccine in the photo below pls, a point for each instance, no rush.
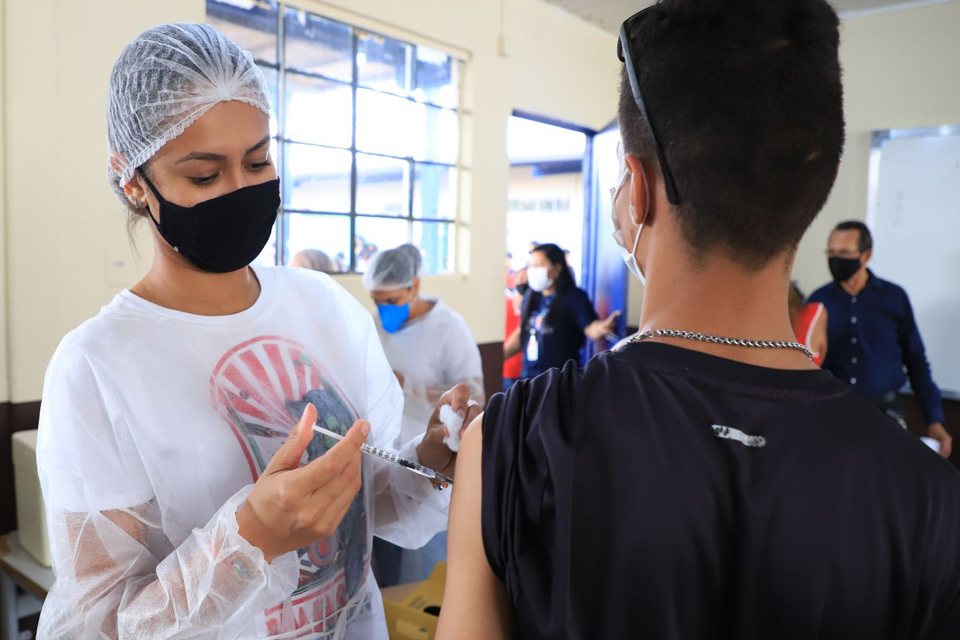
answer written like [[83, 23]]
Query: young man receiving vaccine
[[706, 480]]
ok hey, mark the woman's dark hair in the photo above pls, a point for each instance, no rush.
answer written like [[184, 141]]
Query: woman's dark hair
[[561, 284]]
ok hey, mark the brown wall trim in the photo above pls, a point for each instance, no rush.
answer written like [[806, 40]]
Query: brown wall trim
[[491, 353], [14, 416]]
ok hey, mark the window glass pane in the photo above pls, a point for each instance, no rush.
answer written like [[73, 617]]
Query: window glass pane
[[383, 63], [318, 120], [383, 185], [268, 257], [317, 45], [376, 234], [270, 75], [435, 191], [384, 124], [436, 133], [318, 111], [436, 241], [252, 24], [316, 178], [329, 234], [275, 154], [438, 78]]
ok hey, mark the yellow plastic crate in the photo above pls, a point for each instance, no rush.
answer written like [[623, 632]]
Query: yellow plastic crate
[[413, 610]]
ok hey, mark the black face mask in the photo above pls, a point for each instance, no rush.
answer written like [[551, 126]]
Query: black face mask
[[223, 234], [522, 288], [842, 269]]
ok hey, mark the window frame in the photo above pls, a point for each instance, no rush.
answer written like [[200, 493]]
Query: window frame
[[280, 140]]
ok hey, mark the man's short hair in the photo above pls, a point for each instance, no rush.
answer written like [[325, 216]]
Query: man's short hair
[[747, 101], [866, 238]]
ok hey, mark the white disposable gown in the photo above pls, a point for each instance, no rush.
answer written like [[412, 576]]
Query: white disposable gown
[[154, 426], [433, 353]]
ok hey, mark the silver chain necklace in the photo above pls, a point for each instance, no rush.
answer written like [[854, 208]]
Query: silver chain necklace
[[733, 342]]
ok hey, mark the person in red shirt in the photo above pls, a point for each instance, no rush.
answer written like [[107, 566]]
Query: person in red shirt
[[809, 321], [516, 282]]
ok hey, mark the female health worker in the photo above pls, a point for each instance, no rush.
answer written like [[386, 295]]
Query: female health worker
[[187, 495], [556, 315], [431, 349]]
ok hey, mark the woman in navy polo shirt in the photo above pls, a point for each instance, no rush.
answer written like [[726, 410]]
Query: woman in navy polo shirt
[[556, 315]]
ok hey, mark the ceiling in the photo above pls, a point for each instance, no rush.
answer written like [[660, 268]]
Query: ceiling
[[608, 14]]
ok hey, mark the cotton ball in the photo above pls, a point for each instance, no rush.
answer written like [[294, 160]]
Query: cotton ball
[[453, 423]]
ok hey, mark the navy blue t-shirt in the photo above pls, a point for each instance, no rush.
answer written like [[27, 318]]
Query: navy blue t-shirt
[[560, 339], [634, 498]]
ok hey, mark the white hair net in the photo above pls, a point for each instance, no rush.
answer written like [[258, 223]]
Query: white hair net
[[165, 80], [393, 269]]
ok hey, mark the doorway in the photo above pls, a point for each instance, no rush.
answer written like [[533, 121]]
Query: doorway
[[545, 193], [547, 196]]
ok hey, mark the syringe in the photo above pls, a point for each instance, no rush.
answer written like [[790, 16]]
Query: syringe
[[426, 472]]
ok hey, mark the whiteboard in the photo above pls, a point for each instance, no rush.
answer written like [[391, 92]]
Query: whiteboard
[[914, 215]]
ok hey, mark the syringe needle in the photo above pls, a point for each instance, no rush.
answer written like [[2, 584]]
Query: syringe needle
[[393, 458]]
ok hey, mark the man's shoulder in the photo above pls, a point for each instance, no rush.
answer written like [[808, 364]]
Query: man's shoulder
[[823, 293], [886, 286]]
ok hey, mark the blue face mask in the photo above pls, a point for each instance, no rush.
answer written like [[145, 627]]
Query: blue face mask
[[392, 316]]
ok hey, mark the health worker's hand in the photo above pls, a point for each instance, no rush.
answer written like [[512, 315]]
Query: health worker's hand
[[291, 507], [433, 451]]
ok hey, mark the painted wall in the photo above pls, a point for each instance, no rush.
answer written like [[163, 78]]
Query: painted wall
[[67, 251]]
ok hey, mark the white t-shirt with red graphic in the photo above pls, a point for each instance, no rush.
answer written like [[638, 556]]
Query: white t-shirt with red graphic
[[154, 425]]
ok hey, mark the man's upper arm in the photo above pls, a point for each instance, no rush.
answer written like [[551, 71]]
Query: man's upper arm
[[475, 603], [918, 367], [821, 337]]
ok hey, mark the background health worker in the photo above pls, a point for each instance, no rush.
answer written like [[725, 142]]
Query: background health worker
[[431, 349]]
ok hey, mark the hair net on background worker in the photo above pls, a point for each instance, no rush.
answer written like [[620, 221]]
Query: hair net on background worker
[[393, 269], [315, 260], [441, 335], [166, 79]]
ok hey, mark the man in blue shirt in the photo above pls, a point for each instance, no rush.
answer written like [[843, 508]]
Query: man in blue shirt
[[872, 334]]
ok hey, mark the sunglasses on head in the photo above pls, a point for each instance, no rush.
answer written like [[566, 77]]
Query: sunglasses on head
[[625, 52]]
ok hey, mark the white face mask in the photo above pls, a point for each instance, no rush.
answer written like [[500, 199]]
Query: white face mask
[[629, 257], [538, 279]]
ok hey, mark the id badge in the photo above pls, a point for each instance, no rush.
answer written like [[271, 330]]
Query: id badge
[[533, 348]]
